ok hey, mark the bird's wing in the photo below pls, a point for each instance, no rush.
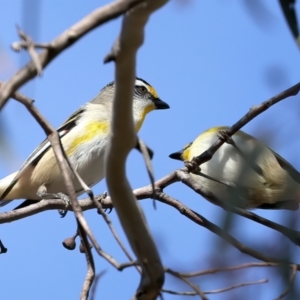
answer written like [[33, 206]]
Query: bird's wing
[[39, 152], [287, 167], [286, 204]]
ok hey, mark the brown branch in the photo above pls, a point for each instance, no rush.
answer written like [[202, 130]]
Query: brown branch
[[226, 269], [63, 41], [28, 44], [253, 112], [147, 160], [121, 140], [236, 286], [18, 46], [86, 204], [179, 293], [63, 162], [90, 275], [145, 193], [216, 291], [291, 234], [113, 231], [193, 286], [63, 165], [200, 220]]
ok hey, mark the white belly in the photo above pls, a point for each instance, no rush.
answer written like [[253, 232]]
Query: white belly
[[88, 160], [246, 181]]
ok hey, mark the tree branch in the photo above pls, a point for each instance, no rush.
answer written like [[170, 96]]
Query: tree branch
[[63, 41], [253, 112], [122, 140]]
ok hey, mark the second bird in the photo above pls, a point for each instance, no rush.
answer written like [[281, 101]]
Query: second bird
[[84, 137], [245, 172]]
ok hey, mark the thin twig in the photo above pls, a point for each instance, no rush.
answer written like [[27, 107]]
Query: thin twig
[[179, 293], [216, 291], [63, 165], [90, 274], [147, 161], [200, 220], [29, 45], [236, 286], [85, 187], [253, 112], [17, 46], [226, 269], [63, 41], [185, 178], [145, 193], [193, 286], [113, 231]]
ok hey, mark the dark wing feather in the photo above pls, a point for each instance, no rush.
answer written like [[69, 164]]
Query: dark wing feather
[[287, 204], [39, 152], [287, 167]]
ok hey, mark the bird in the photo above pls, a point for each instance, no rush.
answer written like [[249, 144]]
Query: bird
[[84, 137], [244, 172]]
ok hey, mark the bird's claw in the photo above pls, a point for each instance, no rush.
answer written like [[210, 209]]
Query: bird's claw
[[192, 166], [225, 137], [66, 199], [102, 197]]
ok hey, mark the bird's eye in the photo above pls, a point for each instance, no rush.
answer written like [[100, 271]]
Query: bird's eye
[[141, 89]]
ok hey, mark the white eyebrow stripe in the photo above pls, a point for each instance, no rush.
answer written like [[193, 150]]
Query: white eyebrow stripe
[[139, 82]]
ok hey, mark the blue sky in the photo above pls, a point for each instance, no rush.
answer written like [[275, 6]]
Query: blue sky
[[210, 61]]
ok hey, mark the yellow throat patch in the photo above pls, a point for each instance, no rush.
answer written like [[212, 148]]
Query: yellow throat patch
[[145, 111]]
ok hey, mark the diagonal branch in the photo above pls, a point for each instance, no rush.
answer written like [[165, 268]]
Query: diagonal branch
[[200, 220], [63, 41], [28, 44], [253, 112], [64, 164]]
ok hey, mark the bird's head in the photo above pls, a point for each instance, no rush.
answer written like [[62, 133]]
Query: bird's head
[[183, 154]]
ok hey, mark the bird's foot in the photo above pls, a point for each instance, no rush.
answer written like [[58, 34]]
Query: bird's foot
[[192, 166], [226, 138], [42, 193], [101, 198], [66, 199]]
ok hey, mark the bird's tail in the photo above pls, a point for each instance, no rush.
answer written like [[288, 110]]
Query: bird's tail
[[4, 184]]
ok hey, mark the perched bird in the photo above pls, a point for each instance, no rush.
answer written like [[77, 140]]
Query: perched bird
[[244, 172], [84, 137]]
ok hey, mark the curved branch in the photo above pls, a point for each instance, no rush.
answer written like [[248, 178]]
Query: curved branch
[[63, 41], [122, 140]]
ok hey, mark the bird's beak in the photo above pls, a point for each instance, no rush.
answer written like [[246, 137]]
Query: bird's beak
[[177, 155], [159, 104]]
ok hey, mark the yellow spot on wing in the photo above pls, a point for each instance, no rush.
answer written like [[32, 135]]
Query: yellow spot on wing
[[143, 115], [153, 91], [91, 131]]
